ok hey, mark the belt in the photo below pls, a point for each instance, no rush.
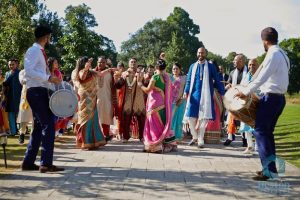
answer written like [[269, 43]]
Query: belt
[[273, 94]]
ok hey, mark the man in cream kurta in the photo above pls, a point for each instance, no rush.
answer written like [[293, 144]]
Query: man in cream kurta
[[104, 95]]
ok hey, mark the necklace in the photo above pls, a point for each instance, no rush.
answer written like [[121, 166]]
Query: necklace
[[130, 85]]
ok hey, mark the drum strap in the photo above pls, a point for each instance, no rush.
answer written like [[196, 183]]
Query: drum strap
[[261, 66]]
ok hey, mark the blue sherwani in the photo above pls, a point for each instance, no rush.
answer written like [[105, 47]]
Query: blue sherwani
[[195, 96]]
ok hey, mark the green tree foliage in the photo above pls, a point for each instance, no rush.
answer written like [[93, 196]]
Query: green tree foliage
[[292, 47], [51, 19], [176, 36], [79, 40], [16, 31], [219, 60], [261, 58], [147, 43], [185, 34]]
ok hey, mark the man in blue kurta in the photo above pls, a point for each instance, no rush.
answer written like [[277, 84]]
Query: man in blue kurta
[[201, 79], [13, 95]]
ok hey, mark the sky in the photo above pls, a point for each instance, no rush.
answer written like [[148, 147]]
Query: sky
[[225, 25]]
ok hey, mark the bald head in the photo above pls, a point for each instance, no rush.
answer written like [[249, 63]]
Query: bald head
[[239, 61], [201, 54], [252, 65]]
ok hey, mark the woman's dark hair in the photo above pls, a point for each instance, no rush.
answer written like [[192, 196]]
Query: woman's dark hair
[[177, 65], [161, 64], [50, 63], [80, 64]]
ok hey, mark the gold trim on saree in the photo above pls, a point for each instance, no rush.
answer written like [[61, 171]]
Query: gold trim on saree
[[155, 110]]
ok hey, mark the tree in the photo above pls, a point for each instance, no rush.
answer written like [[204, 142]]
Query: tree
[[16, 31], [186, 32], [292, 47], [147, 43], [176, 36], [219, 60], [51, 19], [79, 40]]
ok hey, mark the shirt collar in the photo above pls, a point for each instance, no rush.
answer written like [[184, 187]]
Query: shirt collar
[[38, 45], [273, 47]]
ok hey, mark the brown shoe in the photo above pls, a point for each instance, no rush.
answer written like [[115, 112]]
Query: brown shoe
[[53, 168], [33, 167], [260, 178], [260, 173]]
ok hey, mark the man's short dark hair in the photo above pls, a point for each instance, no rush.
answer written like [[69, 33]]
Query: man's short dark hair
[[270, 34], [14, 60], [41, 31]]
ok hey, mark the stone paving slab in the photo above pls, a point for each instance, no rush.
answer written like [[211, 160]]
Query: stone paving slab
[[123, 171]]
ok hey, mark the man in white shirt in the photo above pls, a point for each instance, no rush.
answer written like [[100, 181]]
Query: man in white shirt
[[38, 81], [272, 79]]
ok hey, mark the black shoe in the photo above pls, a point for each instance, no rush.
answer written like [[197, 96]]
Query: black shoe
[[227, 142], [32, 167], [21, 139], [245, 142], [260, 178], [53, 168], [108, 138], [192, 142]]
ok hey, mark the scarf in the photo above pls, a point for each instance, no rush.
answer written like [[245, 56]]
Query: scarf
[[205, 99], [235, 75]]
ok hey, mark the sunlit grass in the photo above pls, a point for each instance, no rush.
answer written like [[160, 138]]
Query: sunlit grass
[[287, 134]]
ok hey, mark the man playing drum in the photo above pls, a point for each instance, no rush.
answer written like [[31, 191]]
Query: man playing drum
[[38, 78], [235, 78], [272, 78]]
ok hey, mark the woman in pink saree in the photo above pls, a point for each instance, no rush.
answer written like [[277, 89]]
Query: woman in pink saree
[[158, 136]]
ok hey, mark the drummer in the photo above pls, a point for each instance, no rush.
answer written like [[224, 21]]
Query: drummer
[[38, 78], [235, 78], [272, 78]]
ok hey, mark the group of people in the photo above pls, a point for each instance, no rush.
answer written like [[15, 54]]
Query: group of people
[[151, 106]]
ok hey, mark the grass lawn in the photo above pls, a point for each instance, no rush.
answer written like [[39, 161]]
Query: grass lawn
[[287, 134], [15, 152]]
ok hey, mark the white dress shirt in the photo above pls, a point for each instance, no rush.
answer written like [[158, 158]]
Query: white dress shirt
[[35, 66], [274, 75]]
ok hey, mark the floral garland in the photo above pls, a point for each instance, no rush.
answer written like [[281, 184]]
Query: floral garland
[[130, 85]]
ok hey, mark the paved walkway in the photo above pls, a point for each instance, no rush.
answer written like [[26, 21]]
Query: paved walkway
[[123, 171]]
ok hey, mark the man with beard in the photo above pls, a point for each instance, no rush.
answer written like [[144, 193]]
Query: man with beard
[[133, 103], [199, 91], [38, 79], [272, 78], [106, 97]]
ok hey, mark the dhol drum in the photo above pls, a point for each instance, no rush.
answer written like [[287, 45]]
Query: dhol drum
[[243, 110], [63, 102]]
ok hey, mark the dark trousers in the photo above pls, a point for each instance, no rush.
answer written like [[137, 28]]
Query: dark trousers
[[43, 131], [269, 109], [127, 121]]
